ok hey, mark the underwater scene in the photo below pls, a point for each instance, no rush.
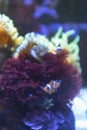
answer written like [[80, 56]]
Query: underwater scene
[[43, 66]]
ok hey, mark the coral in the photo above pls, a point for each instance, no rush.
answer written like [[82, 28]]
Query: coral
[[40, 122], [35, 44], [71, 46], [39, 82], [38, 45], [50, 120], [9, 36], [24, 78]]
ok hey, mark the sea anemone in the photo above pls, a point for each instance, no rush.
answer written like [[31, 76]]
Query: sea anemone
[[64, 38], [9, 36], [25, 77], [36, 45]]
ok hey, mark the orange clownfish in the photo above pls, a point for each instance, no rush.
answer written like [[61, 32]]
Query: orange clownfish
[[52, 86]]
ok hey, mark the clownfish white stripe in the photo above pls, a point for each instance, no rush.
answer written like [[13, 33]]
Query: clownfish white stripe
[[49, 86], [52, 86]]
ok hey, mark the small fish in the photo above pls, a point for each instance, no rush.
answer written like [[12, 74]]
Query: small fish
[[52, 86]]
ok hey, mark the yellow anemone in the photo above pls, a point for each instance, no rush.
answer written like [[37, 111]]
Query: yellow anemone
[[9, 36], [72, 47]]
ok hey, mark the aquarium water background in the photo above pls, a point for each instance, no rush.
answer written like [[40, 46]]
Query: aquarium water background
[[45, 17]]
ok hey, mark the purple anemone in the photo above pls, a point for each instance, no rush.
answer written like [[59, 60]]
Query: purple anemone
[[24, 78]]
